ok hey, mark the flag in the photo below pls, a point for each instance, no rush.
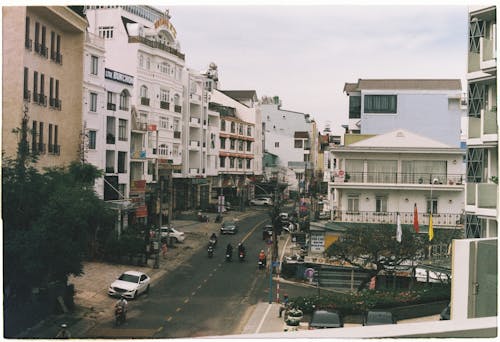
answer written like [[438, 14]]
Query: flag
[[399, 232], [415, 218], [431, 229]]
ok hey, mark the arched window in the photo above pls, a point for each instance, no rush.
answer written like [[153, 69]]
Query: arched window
[[124, 99], [223, 125], [141, 61], [233, 127], [165, 68]]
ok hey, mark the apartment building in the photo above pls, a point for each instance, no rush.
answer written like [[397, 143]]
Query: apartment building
[[482, 141], [42, 79], [240, 149], [293, 137], [429, 107]]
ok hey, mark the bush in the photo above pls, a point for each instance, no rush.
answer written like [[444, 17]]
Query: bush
[[359, 302]]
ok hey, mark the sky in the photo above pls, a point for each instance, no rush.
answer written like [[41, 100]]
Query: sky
[[306, 53]]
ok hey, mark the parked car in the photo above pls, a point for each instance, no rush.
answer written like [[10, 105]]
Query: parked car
[[172, 232], [229, 227], [378, 317], [326, 319], [130, 284], [265, 201], [445, 314]]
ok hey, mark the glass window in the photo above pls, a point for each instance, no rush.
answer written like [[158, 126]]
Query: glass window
[[94, 65], [249, 163], [223, 125], [298, 143], [164, 95], [223, 143], [222, 161], [380, 103], [381, 204], [144, 91], [249, 131], [92, 140], [124, 100], [122, 162], [354, 107], [432, 204], [122, 130], [353, 204], [93, 102]]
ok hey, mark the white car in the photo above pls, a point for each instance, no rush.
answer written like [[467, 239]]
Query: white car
[[129, 285], [261, 201], [172, 232]]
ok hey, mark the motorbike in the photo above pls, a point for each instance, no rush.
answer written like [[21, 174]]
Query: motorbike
[[218, 218], [242, 256], [119, 315], [210, 250], [229, 255], [212, 241], [262, 264]]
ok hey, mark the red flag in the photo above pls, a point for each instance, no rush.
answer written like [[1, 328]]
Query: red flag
[[415, 218]]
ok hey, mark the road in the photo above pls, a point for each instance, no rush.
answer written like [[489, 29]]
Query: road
[[203, 297]]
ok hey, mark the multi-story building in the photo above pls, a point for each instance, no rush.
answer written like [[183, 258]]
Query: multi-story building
[[374, 179], [240, 149], [429, 107], [482, 142], [141, 42], [38, 81], [293, 137]]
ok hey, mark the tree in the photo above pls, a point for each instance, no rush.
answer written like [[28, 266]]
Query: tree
[[376, 249]]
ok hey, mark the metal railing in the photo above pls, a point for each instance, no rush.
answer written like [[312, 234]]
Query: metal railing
[[400, 178], [438, 219]]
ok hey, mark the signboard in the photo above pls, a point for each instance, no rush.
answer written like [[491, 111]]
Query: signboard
[[118, 76], [317, 242]]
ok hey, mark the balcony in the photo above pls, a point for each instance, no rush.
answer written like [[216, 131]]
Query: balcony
[[137, 154], [40, 99], [42, 50], [487, 53], [164, 105], [177, 109], [399, 178], [55, 103], [194, 144], [195, 97], [177, 134], [194, 171], [144, 101], [486, 124], [194, 122], [111, 106], [38, 148], [438, 219], [156, 45], [490, 124], [54, 149], [482, 195]]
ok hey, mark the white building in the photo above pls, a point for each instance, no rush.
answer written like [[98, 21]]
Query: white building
[[292, 136], [372, 180]]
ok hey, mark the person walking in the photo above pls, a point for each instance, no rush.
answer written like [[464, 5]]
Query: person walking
[[284, 306], [164, 250]]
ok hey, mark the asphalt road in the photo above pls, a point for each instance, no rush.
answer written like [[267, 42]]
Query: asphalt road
[[203, 297]]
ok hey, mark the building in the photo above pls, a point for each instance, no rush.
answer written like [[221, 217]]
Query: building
[[42, 77], [373, 180], [482, 142], [429, 107], [293, 137], [240, 149]]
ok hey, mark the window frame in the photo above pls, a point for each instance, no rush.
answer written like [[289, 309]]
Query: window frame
[[93, 102], [373, 104]]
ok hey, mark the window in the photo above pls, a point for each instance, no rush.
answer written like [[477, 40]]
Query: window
[[163, 122], [240, 163], [34, 136], [124, 100], [249, 146], [52, 45], [27, 40], [122, 162], [148, 63], [176, 125], [50, 138], [223, 143], [144, 91], [42, 85], [240, 145], [353, 204], [354, 107], [44, 41], [249, 131], [231, 162], [432, 203], [222, 161], [381, 204], [165, 68], [122, 130], [249, 164], [93, 102], [106, 32], [92, 140], [94, 65], [232, 144], [223, 125], [163, 150], [380, 103], [141, 61], [233, 127], [26, 94], [240, 129], [110, 129], [476, 32], [164, 95], [35, 86], [37, 36], [40, 137], [298, 143], [277, 144]]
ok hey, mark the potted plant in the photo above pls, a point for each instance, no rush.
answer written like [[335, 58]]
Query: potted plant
[[294, 316]]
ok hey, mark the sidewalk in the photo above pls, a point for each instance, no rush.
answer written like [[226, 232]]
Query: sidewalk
[[92, 302]]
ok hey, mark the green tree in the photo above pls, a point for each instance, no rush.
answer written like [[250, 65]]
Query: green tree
[[376, 249]]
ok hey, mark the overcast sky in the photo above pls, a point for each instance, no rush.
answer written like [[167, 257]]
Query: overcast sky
[[305, 54]]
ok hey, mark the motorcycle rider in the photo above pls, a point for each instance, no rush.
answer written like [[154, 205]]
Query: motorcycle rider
[[229, 250], [122, 302], [64, 332], [241, 250], [213, 238], [262, 256]]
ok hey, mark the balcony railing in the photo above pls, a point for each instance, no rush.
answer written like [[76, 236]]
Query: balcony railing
[[137, 154], [41, 99], [39, 148], [110, 169], [54, 149], [144, 101], [490, 123], [28, 44], [26, 95], [55, 103], [156, 45], [438, 219], [164, 105], [111, 106], [399, 178]]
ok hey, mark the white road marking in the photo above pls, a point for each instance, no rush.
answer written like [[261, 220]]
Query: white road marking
[[263, 319]]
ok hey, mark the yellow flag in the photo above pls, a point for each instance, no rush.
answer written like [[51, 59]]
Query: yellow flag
[[431, 229]]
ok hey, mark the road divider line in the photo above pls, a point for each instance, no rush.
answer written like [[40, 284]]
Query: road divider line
[[169, 318], [253, 229], [263, 319], [178, 309], [159, 329], [186, 300]]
